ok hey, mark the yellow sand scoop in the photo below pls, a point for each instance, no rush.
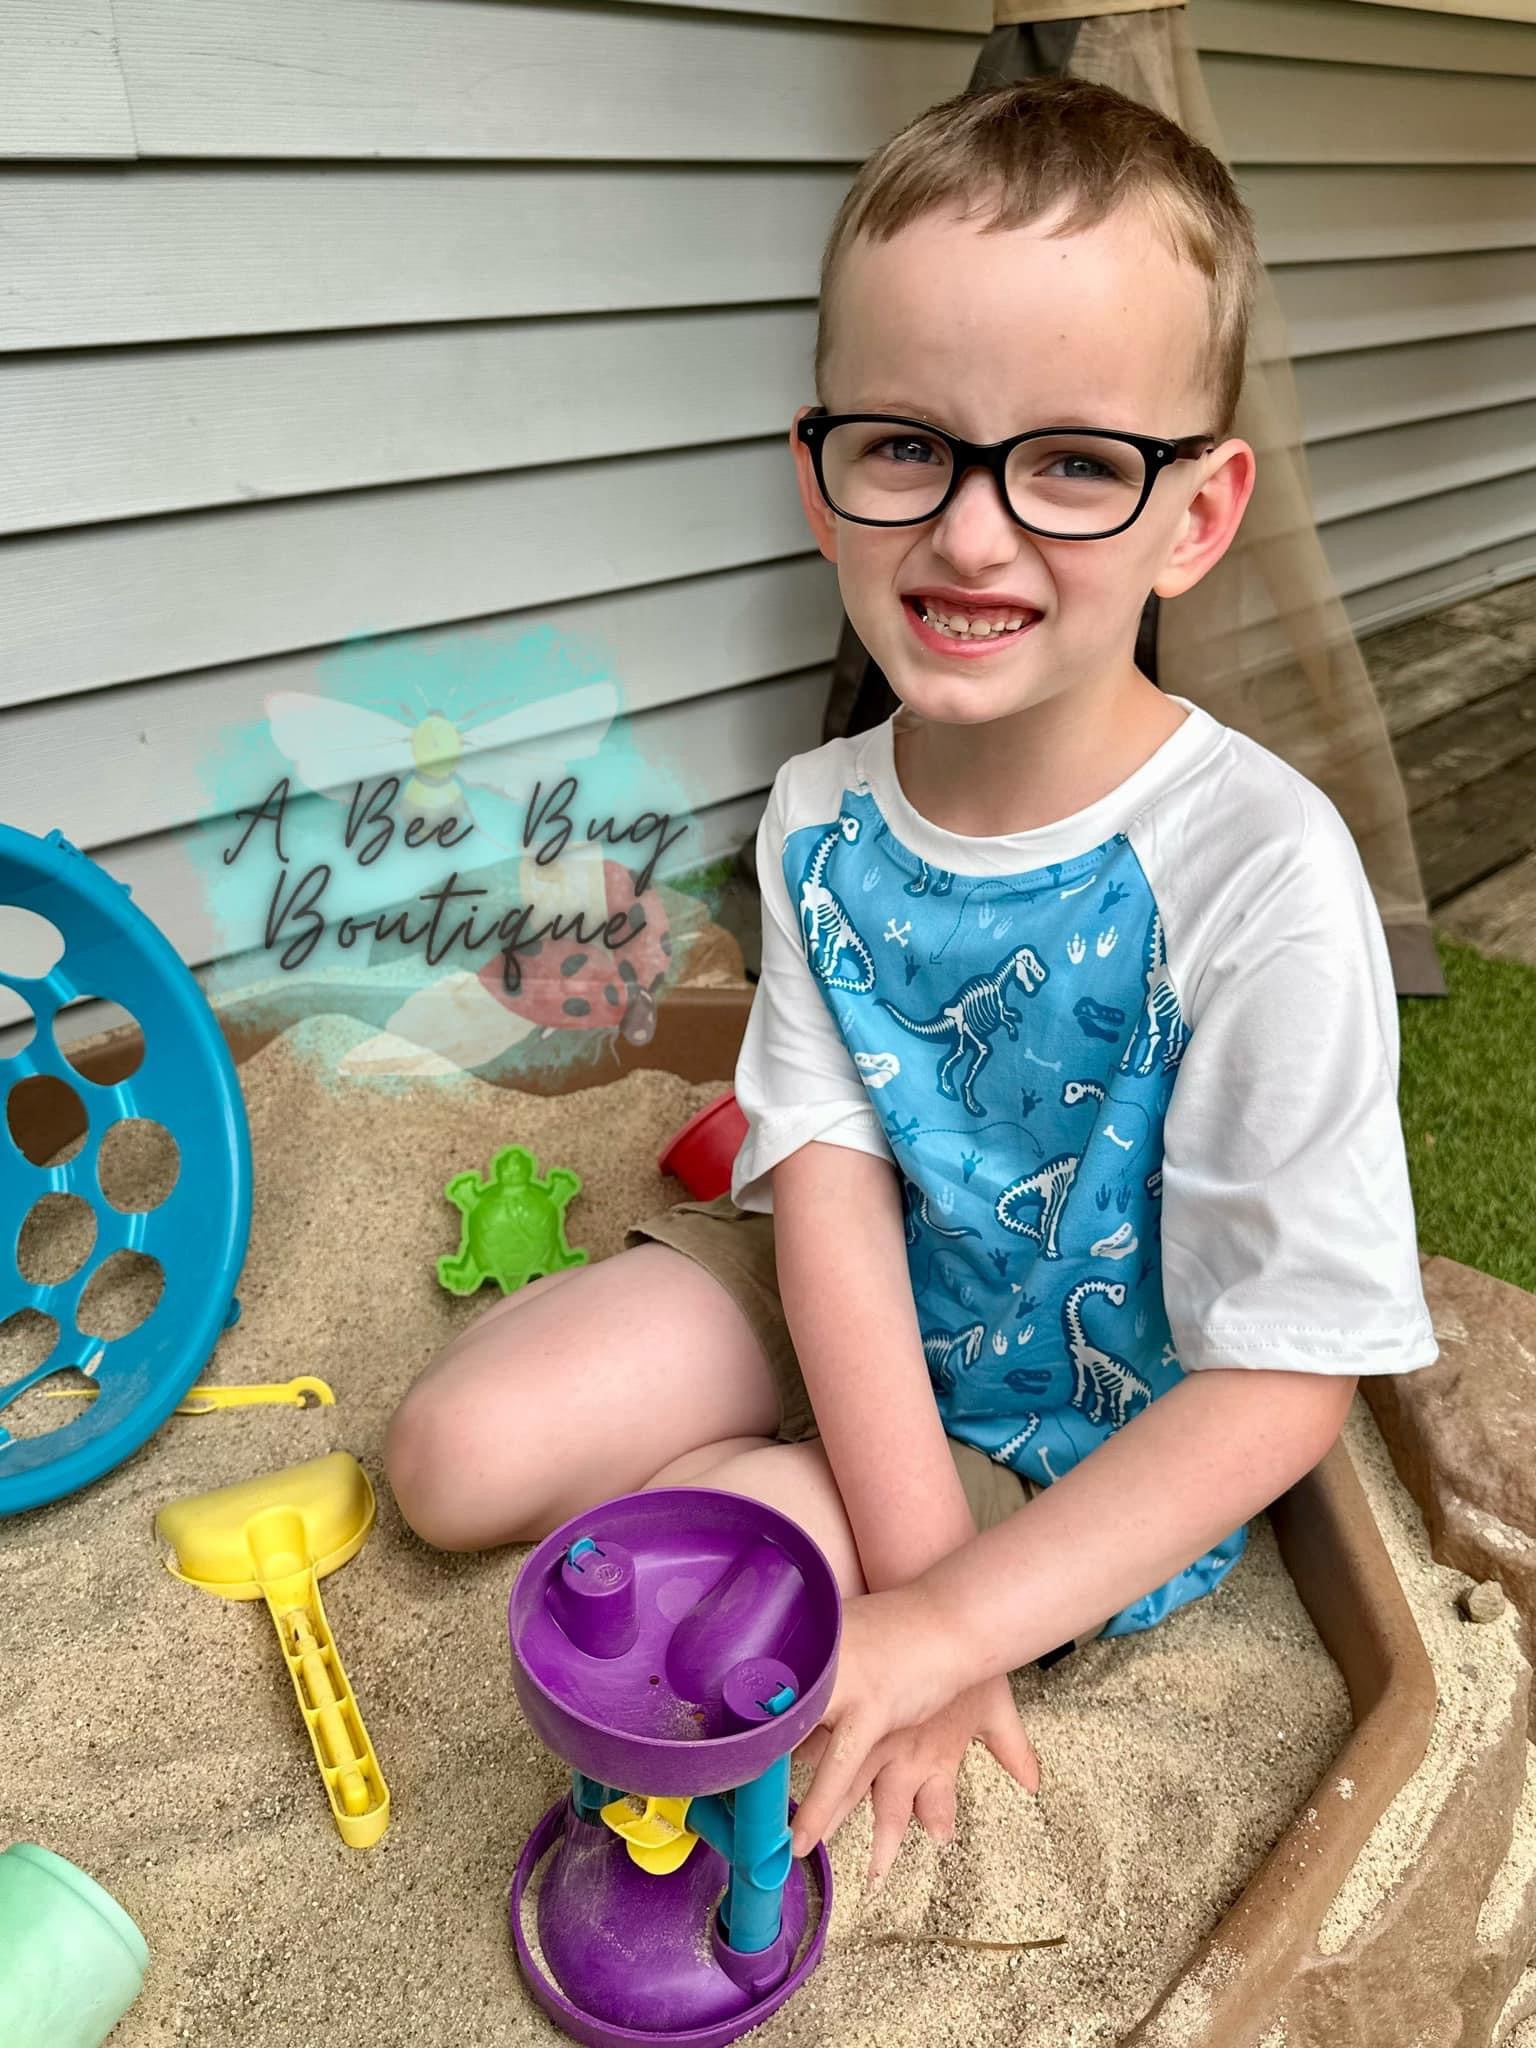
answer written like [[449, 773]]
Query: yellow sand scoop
[[274, 1537]]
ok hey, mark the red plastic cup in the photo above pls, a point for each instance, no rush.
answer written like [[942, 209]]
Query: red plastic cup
[[703, 1152]]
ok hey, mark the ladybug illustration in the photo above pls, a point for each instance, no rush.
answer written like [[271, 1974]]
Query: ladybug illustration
[[567, 984]]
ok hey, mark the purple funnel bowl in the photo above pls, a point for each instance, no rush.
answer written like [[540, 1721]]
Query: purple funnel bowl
[[637, 1939], [702, 1582]]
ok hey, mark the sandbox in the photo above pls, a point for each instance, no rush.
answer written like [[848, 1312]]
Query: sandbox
[[150, 1738]]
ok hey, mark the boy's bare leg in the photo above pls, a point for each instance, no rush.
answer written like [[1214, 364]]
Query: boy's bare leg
[[794, 1478], [582, 1385]]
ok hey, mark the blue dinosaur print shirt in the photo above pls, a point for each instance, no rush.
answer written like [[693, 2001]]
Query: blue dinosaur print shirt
[[1137, 1071]]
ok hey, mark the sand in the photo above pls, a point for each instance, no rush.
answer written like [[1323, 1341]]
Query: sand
[[151, 1736]]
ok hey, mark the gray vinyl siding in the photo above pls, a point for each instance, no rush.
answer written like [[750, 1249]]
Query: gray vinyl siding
[[430, 316]]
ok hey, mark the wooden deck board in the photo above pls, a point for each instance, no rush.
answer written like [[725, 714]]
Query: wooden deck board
[[1458, 690], [1469, 835], [1468, 743], [1450, 674], [1499, 915]]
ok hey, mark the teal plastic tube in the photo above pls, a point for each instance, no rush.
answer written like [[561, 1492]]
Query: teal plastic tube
[[760, 1860]]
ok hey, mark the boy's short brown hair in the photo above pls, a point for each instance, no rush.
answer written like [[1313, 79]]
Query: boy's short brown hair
[[1029, 148]]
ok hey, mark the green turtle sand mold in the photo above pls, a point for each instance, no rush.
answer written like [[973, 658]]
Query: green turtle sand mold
[[513, 1224]]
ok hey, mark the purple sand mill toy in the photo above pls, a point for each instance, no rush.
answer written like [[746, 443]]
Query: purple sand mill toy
[[673, 1648]]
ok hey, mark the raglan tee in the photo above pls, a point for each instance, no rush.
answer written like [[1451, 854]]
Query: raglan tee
[[1136, 1070]]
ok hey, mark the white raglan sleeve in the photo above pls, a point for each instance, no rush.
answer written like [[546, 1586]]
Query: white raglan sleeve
[[795, 1077], [1288, 1228]]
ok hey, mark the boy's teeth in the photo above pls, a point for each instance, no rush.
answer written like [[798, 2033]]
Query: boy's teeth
[[965, 624]]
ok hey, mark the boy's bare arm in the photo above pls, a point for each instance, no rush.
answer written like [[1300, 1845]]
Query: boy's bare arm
[[841, 1251], [1215, 1449]]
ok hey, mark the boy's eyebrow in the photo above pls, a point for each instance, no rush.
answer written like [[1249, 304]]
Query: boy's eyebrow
[[902, 405], [910, 406], [1080, 423]]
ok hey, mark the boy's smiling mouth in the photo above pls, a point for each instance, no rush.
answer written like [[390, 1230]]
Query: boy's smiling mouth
[[971, 628]]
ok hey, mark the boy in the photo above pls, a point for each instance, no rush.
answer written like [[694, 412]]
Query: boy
[[1071, 1074]]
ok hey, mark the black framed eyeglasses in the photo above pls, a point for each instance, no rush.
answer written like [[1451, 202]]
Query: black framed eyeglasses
[[1063, 483]]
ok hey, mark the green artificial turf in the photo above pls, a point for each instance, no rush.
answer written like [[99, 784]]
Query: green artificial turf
[[1468, 1101]]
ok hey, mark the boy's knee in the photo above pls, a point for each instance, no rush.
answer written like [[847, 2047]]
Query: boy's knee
[[424, 1451]]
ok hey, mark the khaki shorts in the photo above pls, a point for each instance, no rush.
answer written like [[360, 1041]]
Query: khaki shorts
[[736, 1247]]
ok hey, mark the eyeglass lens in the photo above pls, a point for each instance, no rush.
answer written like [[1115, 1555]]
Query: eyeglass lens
[[1070, 483]]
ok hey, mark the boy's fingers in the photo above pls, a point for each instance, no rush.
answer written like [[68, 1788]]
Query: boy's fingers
[[814, 1746], [1013, 1749], [856, 1791], [826, 1802], [935, 1805], [891, 1797]]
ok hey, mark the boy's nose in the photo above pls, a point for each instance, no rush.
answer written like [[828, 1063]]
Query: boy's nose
[[976, 530]]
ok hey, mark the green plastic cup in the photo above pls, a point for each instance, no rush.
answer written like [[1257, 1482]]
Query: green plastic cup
[[71, 1960]]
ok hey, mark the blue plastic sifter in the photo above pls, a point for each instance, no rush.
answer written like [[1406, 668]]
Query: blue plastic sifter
[[186, 1083]]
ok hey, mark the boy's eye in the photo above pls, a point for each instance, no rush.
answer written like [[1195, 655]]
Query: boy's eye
[[1100, 463], [906, 448], [1080, 465]]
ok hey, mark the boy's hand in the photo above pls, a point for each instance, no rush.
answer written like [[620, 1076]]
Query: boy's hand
[[895, 1728]]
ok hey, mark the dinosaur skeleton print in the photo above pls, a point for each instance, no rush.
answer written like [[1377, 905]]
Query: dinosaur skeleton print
[[1018, 1036], [1013, 1039]]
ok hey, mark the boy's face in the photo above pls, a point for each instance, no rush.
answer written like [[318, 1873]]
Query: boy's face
[[990, 335]]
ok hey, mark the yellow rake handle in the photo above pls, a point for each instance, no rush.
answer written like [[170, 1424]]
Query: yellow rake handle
[[299, 1393], [354, 1784]]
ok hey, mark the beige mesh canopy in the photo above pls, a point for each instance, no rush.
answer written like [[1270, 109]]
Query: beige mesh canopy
[[1263, 642]]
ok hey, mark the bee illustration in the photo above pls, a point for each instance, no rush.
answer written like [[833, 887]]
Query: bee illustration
[[448, 768], [333, 744]]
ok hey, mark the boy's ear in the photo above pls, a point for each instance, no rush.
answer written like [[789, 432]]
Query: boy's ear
[[1213, 516], [819, 515]]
